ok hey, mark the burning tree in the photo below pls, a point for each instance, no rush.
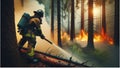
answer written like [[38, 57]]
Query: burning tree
[[82, 14], [102, 36], [103, 18], [92, 35]]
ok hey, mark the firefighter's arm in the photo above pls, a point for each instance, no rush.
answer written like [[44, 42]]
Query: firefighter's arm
[[40, 33]]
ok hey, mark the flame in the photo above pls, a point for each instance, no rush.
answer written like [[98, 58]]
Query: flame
[[110, 40], [103, 34], [106, 37], [83, 36], [97, 37], [65, 36]]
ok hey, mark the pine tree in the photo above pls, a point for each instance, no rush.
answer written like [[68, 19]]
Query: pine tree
[[52, 15], [90, 43], [72, 21], [82, 14], [103, 18], [59, 24], [116, 23], [10, 56]]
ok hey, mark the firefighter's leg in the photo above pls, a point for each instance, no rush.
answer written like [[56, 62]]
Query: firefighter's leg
[[31, 46], [21, 42]]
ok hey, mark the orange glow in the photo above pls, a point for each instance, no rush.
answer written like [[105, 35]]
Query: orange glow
[[110, 40], [83, 36], [103, 34], [97, 37], [96, 11], [65, 36], [106, 37]]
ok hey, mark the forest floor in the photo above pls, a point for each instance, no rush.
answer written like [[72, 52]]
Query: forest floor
[[104, 55]]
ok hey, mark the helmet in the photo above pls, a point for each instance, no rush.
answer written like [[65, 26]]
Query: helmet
[[39, 12]]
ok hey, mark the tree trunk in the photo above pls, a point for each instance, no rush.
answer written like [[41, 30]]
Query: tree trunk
[[59, 25], [10, 55], [68, 22], [72, 21], [116, 23], [22, 3], [90, 43], [82, 14], [52, 15], [103, 18]]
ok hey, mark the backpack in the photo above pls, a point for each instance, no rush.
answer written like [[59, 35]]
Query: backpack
[[23, 23]]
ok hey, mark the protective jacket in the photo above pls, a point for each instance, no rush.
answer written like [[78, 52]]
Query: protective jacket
[[34, 28]]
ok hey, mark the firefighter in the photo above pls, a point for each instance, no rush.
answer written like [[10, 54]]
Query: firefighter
[[33, 29]]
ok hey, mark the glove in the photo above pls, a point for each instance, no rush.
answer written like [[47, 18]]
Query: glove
[[42, 36]]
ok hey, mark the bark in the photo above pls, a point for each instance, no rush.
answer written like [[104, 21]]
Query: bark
[[52, 15], [68, 23], [116, 23], [72, 21], [82, 14], [22, 3], [10, 55], [59, 24], [90, 43], [103, 17]]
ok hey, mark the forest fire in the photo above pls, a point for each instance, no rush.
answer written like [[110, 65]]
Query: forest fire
[[65, 36], [106, 37], [97, 37], [83, 36]]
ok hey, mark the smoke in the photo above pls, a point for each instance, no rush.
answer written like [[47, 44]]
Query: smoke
[[99, 2], [110, 1]]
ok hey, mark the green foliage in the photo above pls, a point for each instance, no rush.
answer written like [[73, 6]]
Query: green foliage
[[97, 57]]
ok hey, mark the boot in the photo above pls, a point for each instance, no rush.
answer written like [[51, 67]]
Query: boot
[[31, 53]]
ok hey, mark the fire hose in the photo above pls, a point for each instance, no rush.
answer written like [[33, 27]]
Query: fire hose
[[48, 41]]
